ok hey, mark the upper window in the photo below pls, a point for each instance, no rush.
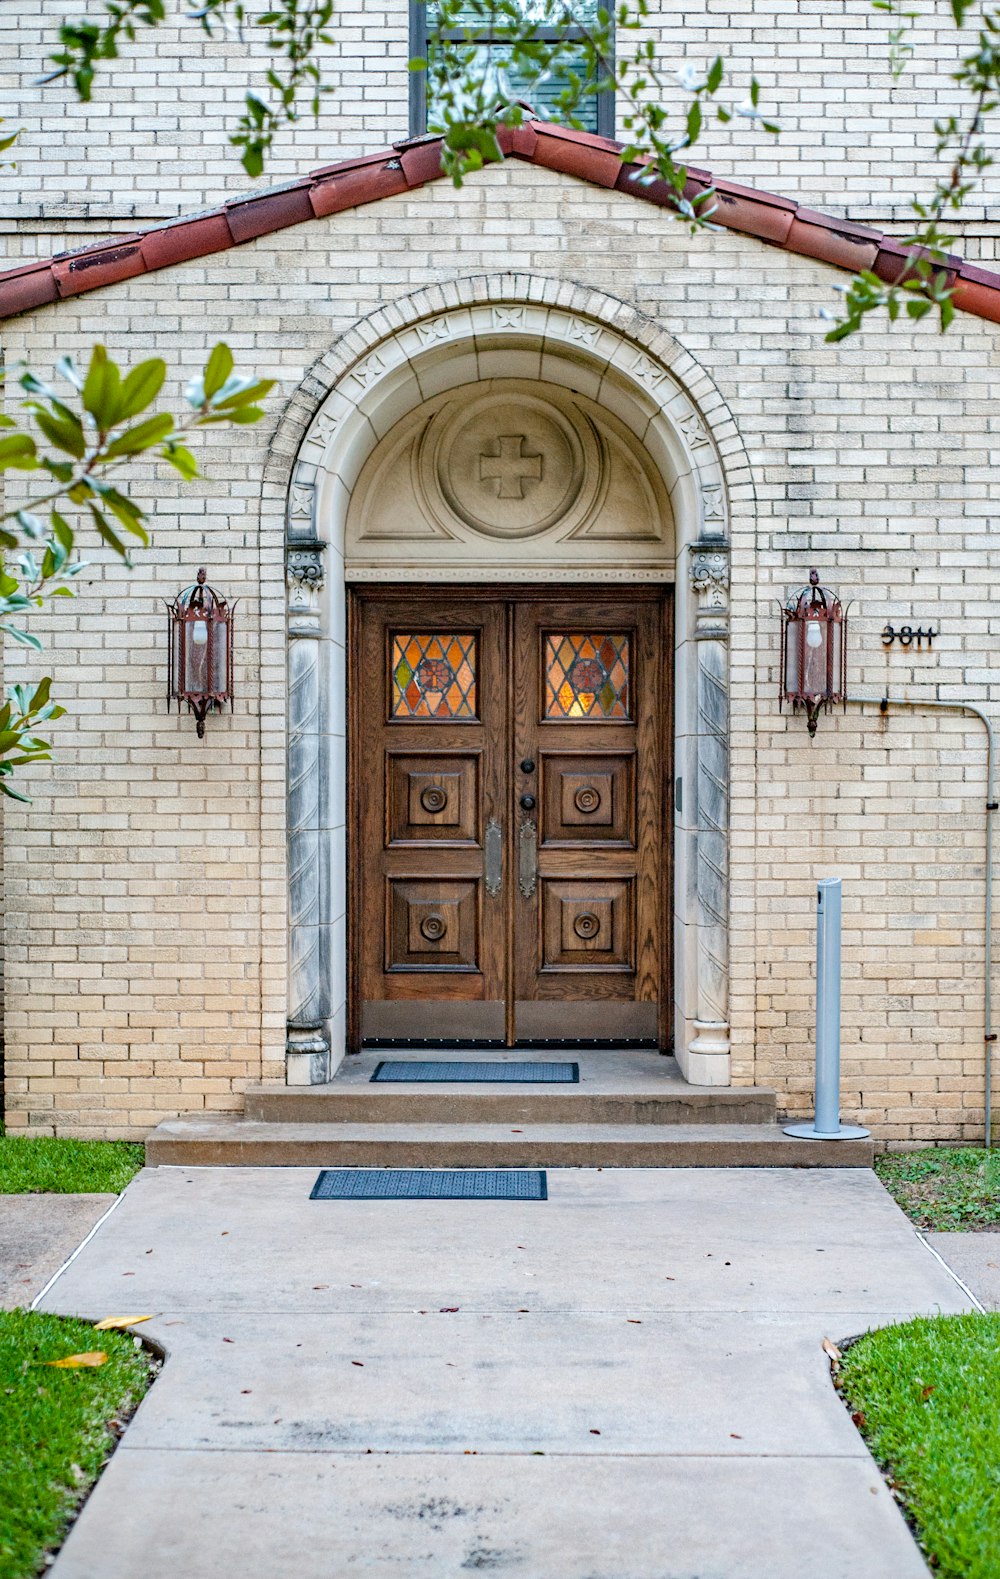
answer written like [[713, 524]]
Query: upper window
[[595, 111]]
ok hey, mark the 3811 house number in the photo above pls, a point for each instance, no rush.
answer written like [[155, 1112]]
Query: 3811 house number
[[906, 636]]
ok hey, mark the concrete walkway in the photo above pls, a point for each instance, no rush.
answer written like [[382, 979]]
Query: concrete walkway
[[37, 1234], [623, 1382]]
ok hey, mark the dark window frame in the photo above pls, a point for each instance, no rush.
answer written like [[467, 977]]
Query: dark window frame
[[418, 79]]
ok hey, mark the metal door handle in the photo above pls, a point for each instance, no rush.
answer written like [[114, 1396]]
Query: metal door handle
[[494, 857], [527, 858]]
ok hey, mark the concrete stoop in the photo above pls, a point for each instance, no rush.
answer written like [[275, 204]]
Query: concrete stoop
[[630, 1110]]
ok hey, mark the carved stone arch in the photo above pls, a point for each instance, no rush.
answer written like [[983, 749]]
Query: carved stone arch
[[392, 363]]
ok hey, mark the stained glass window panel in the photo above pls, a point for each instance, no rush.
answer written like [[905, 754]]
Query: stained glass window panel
[[434, 675], [586, 676]]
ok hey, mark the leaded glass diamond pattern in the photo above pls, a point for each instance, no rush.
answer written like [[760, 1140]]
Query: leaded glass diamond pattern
[[434, 676], [586, 676]]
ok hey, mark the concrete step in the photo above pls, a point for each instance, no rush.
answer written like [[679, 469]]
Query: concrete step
[[209, 1140], [617, 1086], [464, 1105]]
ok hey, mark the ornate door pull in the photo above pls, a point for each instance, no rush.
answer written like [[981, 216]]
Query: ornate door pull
[[527, 859], [494, 857]]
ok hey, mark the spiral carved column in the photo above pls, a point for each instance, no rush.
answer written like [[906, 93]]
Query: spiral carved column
[[307, 1045], [710, 583]]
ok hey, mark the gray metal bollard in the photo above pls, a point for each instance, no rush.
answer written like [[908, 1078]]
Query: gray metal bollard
[[826, 1125]]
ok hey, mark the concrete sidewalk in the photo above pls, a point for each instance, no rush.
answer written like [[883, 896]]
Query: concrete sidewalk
[[623, 1382], [37, 1234]]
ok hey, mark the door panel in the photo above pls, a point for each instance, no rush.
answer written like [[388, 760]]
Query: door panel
[[586, 749], [509, 860], [431, 713]]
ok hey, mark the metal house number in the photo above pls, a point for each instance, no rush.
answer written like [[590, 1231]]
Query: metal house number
[[906, 636]]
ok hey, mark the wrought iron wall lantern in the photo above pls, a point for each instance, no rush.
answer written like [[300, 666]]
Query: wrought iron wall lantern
[[200, 642], [814, 650]]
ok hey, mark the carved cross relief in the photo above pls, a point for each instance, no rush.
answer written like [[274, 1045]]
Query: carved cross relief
[[511, 469]]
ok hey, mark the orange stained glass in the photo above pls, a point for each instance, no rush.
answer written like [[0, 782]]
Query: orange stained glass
[[586, 676], [434, 676]]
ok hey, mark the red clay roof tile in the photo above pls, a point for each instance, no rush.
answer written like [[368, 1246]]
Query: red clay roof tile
[[22, 289], [260, 216], [410, 164], [185, 239], [100, 265], [361, 183]]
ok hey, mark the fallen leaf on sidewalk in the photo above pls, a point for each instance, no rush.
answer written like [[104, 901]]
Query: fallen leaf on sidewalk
[[450, 1310], [736, 1436], [73, 1362], [830, 1348], [321, 1285], [633, 1321], [229, 1340], [119, 1323], [359, 1363], [594, 1431]]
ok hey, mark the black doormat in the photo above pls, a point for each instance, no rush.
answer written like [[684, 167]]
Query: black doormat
[[430, 1184], [484, 1073]]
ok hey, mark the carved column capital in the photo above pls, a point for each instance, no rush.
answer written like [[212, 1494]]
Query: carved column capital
[[709, 568]]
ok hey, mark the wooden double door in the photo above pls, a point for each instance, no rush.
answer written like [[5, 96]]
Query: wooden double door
[[510, 852]]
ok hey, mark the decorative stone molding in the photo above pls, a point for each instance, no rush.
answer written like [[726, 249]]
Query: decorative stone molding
[[710, 583], [307, 1045], [446, 336]]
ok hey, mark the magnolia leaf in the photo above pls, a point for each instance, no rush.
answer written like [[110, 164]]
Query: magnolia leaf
[[74, 1362], [119, 1323], [830, 1348], [217, 370], [100, 391], [141, 388]]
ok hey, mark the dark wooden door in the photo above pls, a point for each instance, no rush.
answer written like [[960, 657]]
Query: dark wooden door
[[509, 861], [587, 798]]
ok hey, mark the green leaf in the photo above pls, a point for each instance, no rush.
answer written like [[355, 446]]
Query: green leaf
[[140, 388], [144, 436], [18, 450], [24, 637], [182, 460], [62, 532], [65, 433], [217, 369], [100, 391]]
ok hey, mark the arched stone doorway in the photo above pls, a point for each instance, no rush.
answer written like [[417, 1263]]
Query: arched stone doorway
[[648, 466]]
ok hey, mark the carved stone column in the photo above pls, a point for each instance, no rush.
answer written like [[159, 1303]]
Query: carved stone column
[[307, 1046], [710, 583]]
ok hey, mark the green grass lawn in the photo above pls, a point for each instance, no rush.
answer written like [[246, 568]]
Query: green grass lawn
[[57, 1427], [66, 1167], [924, 1396], [945, 1188]]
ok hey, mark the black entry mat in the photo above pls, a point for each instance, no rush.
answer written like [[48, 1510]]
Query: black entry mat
[[430, 1184], [481, 1073]]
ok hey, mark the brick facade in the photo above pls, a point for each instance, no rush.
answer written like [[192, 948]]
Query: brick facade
[[145, 885]]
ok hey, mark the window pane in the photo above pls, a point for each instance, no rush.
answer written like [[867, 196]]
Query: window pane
[[434, 676], [541, 95], [534, 10], [586, 676]]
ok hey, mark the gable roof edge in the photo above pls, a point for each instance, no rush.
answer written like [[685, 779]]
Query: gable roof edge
[[353, 183]]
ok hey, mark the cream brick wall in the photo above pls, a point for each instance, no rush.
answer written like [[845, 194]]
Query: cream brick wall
[[153, 140], [145, 884]]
